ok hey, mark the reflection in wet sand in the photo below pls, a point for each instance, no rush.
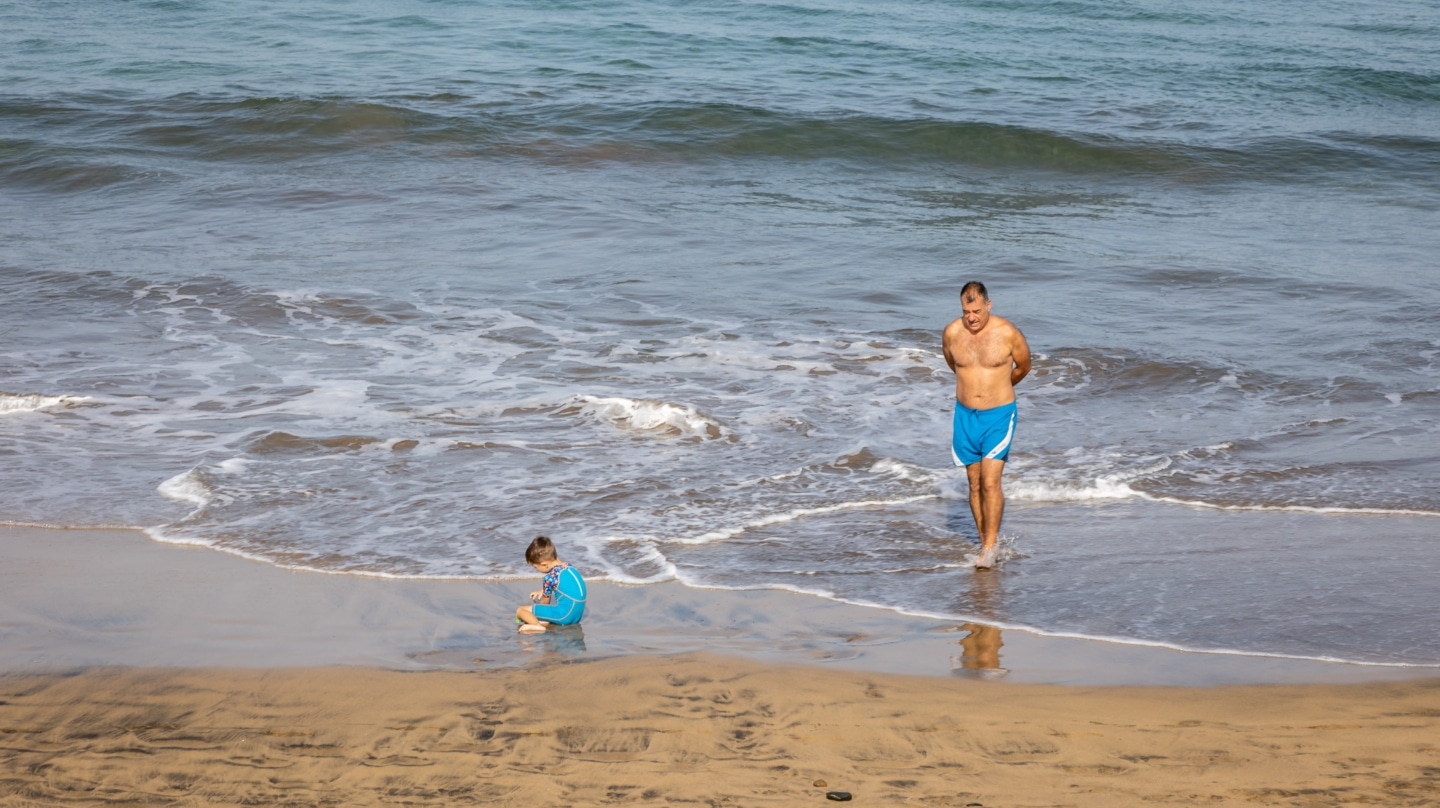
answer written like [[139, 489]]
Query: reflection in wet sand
[[557, 640], [980, 652], [980, 647]]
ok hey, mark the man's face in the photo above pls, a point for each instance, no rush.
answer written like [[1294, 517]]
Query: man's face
[[975, 312]]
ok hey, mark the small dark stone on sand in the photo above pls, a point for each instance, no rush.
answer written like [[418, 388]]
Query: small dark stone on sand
[[838, 796]]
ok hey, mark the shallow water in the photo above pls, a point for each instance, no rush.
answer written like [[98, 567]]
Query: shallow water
[[391, 288]]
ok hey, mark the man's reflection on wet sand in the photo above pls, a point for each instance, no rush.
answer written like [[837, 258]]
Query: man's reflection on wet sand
[[980, 652], [980, 647]]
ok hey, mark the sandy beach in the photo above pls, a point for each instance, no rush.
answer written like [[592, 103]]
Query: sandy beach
[[141, 673], [698, 729]]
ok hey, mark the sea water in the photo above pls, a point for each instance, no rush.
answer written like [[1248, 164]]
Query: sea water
[[390, 288]]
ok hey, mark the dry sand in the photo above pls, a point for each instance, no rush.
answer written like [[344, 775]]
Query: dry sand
[[133, 673], [700, 730]]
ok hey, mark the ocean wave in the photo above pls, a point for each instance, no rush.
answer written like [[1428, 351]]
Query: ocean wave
[[34, 402], [647, 416], [645, 555], [285, 443], [1358, 83], [795, 514], [282, 130], [909, 472], [189, 487], [1117, 487]]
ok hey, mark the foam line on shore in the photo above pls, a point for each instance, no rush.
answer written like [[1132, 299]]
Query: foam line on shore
[[675, 575], [1334, 510], [52, 526], [800, 513], [1114, 487], [1062, 635], [121, 598], [159, 536]]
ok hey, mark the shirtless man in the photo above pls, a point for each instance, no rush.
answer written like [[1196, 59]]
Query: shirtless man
[[989, 356]]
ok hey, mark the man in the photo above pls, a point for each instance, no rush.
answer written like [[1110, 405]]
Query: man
[[989, 356]]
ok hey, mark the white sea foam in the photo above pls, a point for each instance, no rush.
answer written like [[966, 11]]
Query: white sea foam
[[693, 583], [645, 415], [1029, 629], [1107, 487], [773, 478], [906, 471], [1336, 510], [649, 555], [330, 397], [799, 513], [1115, 487], [1036, 487], [187, 487], [32, 402], [160, 535], [53, 526], [1004, 551]]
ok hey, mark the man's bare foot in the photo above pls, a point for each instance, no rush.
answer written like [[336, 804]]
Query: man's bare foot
[[987, 558]]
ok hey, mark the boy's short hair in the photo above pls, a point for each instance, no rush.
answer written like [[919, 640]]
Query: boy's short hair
[[541, 549]]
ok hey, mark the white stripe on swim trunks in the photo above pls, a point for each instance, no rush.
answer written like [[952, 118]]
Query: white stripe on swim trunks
[[1009, 433]]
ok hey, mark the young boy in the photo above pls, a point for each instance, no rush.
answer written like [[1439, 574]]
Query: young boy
[[561, 599]]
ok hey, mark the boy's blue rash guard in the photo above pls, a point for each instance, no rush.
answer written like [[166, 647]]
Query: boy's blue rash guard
[[567, 597]]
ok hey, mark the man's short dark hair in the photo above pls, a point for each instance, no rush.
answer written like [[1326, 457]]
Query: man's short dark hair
[[542, 549], [973, 288]]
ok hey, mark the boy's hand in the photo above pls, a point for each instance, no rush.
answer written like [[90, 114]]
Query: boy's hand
[[537, 595]]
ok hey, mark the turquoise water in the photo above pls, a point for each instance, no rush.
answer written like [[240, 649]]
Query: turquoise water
[[390, 288]]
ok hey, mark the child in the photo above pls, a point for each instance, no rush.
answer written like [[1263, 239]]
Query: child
[[561, 599]]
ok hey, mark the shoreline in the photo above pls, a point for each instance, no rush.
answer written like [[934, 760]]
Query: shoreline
[[80, 598]]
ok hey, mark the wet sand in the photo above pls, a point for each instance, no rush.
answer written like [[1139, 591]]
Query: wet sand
[[141, 673], [73, 599]]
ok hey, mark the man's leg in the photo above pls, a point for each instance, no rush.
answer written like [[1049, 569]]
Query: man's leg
[[987, 503], [972, 473]]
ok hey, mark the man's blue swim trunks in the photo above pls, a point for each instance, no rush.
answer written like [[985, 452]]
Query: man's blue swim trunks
[[982, 433], [566, 590]]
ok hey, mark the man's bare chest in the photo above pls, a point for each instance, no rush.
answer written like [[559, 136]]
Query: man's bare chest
[[980, 352]]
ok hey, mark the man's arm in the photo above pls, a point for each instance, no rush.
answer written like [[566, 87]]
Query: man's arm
[[945, 346], [1020, 355]]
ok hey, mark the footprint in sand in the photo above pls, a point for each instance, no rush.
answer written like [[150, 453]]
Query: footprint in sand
[[260, 762], [397, 760]]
